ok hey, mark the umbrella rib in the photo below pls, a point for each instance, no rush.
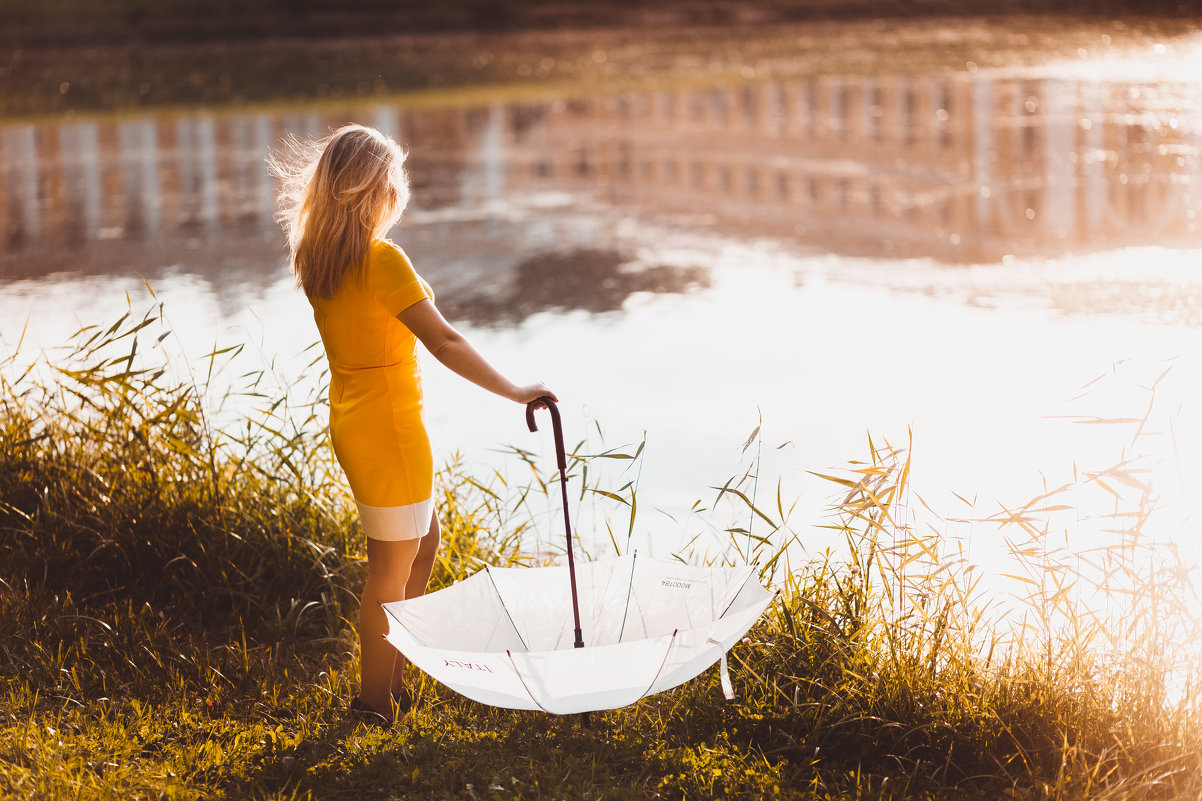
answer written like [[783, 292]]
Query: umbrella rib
[[392, 615], [518, 673], [512, 625], [629, 590], [645, 693], [735, 597], [655, 678]]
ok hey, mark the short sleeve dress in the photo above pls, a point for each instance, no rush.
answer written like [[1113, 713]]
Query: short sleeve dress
[[376, 421]]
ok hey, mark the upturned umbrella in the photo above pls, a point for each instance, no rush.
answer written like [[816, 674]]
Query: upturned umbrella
[[568, 640]]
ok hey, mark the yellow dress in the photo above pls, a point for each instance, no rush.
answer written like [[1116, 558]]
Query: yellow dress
[[376, 423]]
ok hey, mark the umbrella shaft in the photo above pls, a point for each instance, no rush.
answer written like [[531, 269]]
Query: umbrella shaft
[[567, 527]]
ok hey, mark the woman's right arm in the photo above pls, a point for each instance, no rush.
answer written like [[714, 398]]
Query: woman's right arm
[[452, 349]]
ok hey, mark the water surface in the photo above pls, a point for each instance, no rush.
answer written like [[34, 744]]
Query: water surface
[[956, 253]]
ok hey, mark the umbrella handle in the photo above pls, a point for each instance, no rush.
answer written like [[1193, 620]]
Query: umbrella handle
[[556, 426], [561, 456]]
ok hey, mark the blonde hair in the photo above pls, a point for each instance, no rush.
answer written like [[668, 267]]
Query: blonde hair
[[337, 196]]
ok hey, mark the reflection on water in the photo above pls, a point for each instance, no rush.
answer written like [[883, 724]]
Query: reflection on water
[[959, 167], [592, 280]]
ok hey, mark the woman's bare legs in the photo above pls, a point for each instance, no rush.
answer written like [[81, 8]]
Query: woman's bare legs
[[419, 578], [389, 566]]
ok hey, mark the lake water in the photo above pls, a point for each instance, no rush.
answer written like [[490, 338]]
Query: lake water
[[955, 254]]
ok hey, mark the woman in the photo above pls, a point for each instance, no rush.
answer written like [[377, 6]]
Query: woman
[[340, 197]]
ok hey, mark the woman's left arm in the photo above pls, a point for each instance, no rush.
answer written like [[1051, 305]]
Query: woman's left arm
[[452, 349]]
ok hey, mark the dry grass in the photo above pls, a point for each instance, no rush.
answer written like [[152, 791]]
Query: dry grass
[[176, 598]]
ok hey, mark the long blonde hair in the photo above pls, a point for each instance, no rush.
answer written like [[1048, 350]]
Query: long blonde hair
[[337, 195]]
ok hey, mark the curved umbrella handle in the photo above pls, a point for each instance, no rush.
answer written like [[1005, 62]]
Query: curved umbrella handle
[[561, 456], [556, 426]]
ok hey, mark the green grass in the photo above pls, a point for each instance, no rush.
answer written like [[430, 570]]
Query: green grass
[[176, 601]]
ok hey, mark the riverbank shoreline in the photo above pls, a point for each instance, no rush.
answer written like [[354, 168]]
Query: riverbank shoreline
[[125, 76], [86, 24]]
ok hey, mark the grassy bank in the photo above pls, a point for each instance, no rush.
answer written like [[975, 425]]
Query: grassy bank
[[177, 605]]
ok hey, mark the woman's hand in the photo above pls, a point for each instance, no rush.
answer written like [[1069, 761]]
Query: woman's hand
[[533, 392]]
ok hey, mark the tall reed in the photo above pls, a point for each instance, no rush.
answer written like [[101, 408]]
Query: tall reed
[[176, 598], [888, 659]]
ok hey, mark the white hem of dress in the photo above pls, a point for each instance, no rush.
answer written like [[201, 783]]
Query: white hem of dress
[[393, 523]]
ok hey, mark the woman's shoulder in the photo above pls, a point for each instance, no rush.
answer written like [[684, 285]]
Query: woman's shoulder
[[391, 276], [384, 244], [386, 257], [386, 248]]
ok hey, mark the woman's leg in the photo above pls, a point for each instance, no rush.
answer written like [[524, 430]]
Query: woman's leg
[[419, 578], [389, 565]]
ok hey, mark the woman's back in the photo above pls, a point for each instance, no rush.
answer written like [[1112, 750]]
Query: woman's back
[[358, 325]]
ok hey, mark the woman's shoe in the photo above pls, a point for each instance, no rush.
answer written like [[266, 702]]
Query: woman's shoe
[[370, 716]]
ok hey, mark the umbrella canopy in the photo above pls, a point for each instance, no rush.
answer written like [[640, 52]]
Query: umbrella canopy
[[505, 636], [515, 637]]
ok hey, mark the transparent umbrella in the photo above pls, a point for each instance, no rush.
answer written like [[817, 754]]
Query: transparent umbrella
[[568, 640]]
